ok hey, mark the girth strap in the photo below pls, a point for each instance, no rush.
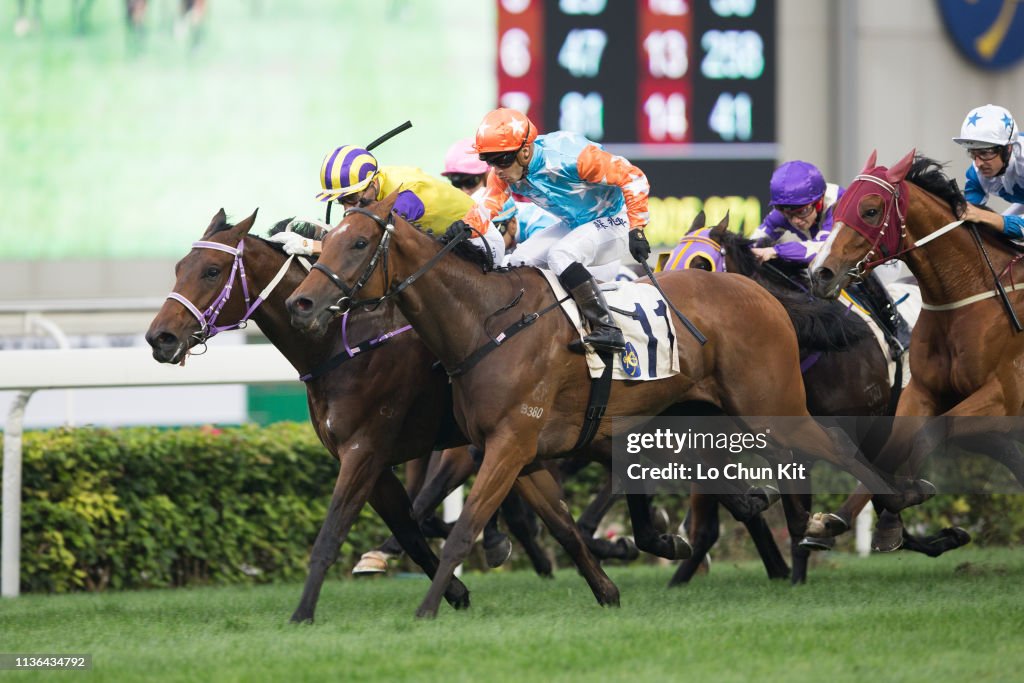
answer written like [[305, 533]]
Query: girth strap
[[600, 390]]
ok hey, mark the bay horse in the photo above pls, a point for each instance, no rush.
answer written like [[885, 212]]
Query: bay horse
[[965, 356], [372, 408], [528, 400], [845, 374]]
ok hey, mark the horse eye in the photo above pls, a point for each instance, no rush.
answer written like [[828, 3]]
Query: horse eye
[[212, 271], [360, 243]]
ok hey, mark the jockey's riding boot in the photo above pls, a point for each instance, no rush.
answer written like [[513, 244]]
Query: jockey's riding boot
[[604, 333], [883, 308]]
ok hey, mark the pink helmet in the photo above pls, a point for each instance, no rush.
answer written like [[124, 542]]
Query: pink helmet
[[463, 158]]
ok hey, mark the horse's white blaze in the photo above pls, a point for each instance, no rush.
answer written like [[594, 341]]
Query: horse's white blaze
[[826, 248]]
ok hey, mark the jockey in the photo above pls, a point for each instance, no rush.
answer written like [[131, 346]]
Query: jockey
[[600, 201], [350, 175], [994, 144], [464, 170], [799, 225], [801, 217]]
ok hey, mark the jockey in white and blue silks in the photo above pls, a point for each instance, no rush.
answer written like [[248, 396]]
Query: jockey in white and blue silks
[[993, 142], [801, 217], [599, 199]]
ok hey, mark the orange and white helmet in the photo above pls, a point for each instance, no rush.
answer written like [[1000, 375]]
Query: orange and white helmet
[[504, 130]]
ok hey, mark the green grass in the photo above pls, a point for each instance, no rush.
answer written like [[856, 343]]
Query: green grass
[[891, 618], [110, 151]]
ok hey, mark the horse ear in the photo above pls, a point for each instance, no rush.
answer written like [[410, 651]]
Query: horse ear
[[388, 203], [698, 222], [871, 162], [245, 225], [900, 169], [217, 223], [723, 224]]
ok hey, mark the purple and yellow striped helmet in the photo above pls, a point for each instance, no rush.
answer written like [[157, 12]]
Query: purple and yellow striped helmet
[[346, 170]]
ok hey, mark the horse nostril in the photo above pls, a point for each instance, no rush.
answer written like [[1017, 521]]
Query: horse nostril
[[166, 339], [303, 304]]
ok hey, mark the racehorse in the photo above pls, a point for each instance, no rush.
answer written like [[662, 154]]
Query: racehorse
[[373, 406], [529, 399], [845, 374], [965, 354]]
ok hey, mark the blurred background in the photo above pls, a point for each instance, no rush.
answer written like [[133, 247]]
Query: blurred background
[[126, 124]]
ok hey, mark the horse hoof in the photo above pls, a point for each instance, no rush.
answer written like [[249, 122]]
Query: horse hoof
[[887, 540], [959, 534], [818, 542], [426, 613], [681, 550], [914, 493], [660, 520], [826, 524], [769, 495], [498, 554], [629, 550], [371, 563]]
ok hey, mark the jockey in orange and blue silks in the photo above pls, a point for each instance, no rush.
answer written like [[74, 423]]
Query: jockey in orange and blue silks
[[599, 199], [801, 217], [994, 144]]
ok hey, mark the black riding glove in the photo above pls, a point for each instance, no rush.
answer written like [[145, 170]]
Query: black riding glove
[[638, 245]]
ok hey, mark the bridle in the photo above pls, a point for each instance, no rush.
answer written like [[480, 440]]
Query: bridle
[[208, 319], [347, 300], [889, 244], [698, 246]]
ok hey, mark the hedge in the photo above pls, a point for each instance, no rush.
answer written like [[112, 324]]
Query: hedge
[[146, 507]]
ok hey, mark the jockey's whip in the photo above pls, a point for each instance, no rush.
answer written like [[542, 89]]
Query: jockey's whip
[[401, 128], [701, 339], [1007, 304]]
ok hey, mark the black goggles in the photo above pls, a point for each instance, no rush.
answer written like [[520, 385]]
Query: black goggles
[[466, 180], [500, 159]]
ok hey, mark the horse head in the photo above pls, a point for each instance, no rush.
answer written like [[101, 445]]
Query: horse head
[[202, 290], [869, 226], [353, 251]]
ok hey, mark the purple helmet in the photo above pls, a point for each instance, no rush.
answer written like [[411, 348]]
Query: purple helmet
[[796, 183]]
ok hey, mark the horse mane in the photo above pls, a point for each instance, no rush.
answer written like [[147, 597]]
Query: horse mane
[[821, 326], [928, 175], [466, 250]]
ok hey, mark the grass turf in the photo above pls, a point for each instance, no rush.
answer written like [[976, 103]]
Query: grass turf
[[894, 618]]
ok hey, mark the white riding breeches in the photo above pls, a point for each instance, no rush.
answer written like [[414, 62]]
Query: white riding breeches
[[601, 242]]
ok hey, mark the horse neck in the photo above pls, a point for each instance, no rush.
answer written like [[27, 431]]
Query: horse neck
[[449, 303], [949, 268], [261, 265]]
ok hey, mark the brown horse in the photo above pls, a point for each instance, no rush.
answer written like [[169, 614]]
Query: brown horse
[[965, 356], [375, 410], [528, 400], [845, 373]]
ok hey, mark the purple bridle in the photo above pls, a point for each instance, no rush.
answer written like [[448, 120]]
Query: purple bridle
[[208, 318]]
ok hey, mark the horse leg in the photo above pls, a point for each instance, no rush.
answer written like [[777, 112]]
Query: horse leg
[[497, 547], [703, 532], [452, 468], [621, 548], [796, 506], [392, 503], [668, 546], [542, 493], [522, 522], [505, 456], [936, 544], [356, 478]]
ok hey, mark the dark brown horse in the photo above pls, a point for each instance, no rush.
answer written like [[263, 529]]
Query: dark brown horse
[[375, 410], [528, 399], [965, 355], [845, 373]]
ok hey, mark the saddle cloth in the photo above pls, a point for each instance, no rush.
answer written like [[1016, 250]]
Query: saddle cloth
[[861, 312], [645, 320]]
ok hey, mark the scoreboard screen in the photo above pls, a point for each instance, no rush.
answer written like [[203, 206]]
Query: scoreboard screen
[[683, 88]]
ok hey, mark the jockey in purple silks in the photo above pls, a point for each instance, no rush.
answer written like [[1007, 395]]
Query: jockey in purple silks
[[799, 224], [801, 217]]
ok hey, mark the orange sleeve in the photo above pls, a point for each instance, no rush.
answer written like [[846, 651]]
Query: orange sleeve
[[598, 166], [479, 217]]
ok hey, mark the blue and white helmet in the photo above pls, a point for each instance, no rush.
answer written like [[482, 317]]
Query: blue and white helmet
[[987, 126]]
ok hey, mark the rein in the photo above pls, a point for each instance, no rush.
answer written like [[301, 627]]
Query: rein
[[208, 319], [347, 299]]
